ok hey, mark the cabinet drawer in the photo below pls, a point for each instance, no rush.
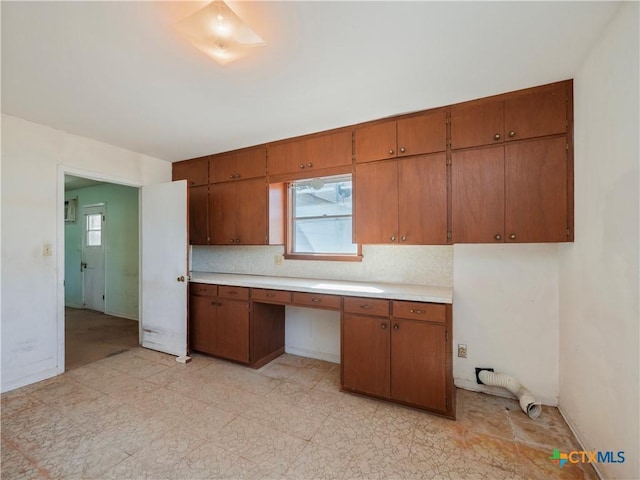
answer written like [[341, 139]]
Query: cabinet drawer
[[239, 293], [203, 289], [366, 306], [275, 296], [429, 312], [317, 300]]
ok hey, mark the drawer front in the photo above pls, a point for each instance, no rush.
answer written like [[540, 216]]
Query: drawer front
[[317, 300], [203, 289], [428, 312], [277, 296], [238, 293], [366, 306]]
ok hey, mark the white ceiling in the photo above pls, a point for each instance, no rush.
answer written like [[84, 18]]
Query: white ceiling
[[116, 72]]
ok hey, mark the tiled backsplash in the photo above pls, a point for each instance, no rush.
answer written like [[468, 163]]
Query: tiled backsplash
[[418, 265]]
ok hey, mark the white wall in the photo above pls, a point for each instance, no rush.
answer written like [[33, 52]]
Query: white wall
[[33, 157], [505, 309], [599, 274]]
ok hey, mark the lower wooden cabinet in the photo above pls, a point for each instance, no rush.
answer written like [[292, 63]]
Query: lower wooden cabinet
[[401, 359]]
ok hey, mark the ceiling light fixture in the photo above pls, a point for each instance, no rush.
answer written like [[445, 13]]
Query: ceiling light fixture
[[217, 31]]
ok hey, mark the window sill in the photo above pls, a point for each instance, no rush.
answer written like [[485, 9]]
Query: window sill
[[324, 257]]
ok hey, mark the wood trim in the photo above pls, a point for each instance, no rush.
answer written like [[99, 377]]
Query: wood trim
[[321, 172], [570, 173]]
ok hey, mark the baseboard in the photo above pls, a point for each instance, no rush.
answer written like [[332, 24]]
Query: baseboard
[[122, 315], [74, 305], [303, 352], [580, 441], [28, 380]]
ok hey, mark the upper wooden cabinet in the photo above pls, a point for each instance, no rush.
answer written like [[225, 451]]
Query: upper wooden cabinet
[[402, 201], [513, 193], [199, 215], [526, 114], [195, 171], [238, 165], [238, 212], [310, 154], [415, 135]]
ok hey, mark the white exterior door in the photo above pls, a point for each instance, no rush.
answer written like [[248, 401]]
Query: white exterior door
[[92, 266], [163, 292]]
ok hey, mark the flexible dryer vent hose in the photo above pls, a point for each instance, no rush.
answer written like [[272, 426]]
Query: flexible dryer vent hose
[[527, 402]]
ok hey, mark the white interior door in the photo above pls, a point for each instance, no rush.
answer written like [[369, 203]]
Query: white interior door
[[92, 266], [163, 291]]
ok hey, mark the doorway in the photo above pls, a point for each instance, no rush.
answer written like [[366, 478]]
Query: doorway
[[101, 286]]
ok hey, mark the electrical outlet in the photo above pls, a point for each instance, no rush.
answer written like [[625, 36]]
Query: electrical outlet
[[462, 350], [277, 259], [46, 250]]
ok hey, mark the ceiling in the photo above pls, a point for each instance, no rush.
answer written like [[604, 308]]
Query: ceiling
[[118, 73]]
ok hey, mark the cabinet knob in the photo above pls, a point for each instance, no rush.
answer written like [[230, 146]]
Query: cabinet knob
[[383, 326], [232, 292], [496, 136], [418, 312], [365, 306], [309, 164], [402, 149], [396, 327], [237, 240], [512, 133], [512, 236], [390, 152], [301, 165], [403, 238], [233, 240], [317, 300], [393, 238], [498, 236], [271, 295]]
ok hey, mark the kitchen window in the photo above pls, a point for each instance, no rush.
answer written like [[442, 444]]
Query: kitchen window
[[320, 219]]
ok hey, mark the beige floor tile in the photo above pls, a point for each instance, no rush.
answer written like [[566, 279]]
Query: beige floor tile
[[320, 462], [14, 464], [209, 462], [534, 464], [548, 431]]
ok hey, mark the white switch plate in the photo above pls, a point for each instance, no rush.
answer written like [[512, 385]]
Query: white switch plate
[[277, 259], [46, 250]]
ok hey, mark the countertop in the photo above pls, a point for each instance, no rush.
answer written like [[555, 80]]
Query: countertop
[[393, 291]]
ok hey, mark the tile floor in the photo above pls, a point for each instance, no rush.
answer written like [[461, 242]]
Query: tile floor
[[140, 415]]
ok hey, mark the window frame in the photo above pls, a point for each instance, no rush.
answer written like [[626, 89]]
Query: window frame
[[289, 229]]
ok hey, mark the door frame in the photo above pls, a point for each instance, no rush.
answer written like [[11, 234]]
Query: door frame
[[60, 243]]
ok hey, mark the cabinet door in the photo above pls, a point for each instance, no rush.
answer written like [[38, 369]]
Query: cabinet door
[[477, 123], [251, 212], [477, 196], [202, 312], [332, 150], [195, 172], [376, 142], [419, 364], [365, 354], [239, 165], [422, 200], [286, 157], [376, 203], [536, 191], [422, 134], [231, 330], [222, 213], [199, 215], [536, 114]]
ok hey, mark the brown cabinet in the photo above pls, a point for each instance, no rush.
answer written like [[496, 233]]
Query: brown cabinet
[[238, 165], [531, 113], [238, 212], [406, 357], [310, 154], [217, 325], [512, 193], [316, 300], [415, 135], [195, 171], [402, 201], [199, 215]]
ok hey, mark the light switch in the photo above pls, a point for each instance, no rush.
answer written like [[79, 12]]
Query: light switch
[[46, 250]]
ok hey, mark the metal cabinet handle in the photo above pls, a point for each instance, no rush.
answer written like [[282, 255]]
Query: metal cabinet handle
[[232, 292], [383, 326], [496, 136], [419, 312], [366, 306], [271, 295], [498, 236], [512, 236], [317, 300], [512, 133], [402, 150], [393, 238], [301, 165], [390, 152], [403, 238], [396, 327], [309, 164]]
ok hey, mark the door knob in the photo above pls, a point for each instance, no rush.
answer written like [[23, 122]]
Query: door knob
[[83, 265], [180, 278]]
